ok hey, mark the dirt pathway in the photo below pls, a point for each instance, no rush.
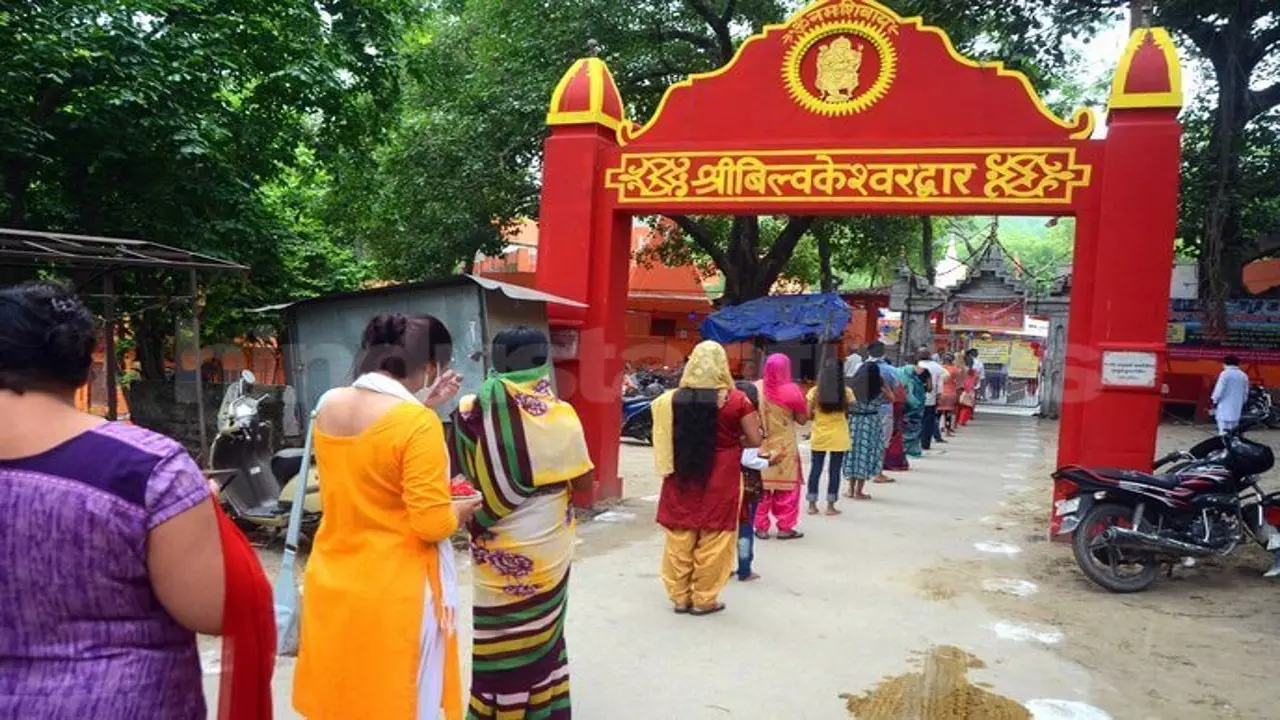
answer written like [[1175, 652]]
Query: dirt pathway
[[1196, 645]]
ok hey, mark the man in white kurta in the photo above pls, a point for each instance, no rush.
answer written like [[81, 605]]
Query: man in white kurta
[[851, 365], [1230, 394]]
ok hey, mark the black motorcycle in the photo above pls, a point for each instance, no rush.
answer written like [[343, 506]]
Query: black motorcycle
[[1258, 408], [1128, 525]]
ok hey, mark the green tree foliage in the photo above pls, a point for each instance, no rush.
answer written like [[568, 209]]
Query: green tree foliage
[[1229, 181], [1038, 249], [180, 122], [481, 76]]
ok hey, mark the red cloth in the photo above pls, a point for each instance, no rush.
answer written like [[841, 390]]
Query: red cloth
[[895, 455], [714, 506], [248, 630]]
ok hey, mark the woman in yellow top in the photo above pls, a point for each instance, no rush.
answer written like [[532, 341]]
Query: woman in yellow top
[[829, 402], [379, 636]]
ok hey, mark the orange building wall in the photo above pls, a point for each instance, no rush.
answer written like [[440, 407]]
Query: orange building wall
[[1191, 381]]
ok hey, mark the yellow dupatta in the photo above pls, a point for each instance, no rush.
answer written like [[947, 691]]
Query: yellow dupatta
[[515, 437], [707, 369]]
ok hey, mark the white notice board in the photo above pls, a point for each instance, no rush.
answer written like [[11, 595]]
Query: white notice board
[[1129, 368]]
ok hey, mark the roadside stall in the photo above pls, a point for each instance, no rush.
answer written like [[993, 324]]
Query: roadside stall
[[323, 334], [801, 326]]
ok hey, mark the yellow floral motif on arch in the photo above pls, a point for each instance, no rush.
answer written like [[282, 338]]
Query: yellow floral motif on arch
[[1032, 175], [861, 100], [653, 176]]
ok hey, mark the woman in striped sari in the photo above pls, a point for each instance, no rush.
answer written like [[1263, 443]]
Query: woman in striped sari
[[524, 449]]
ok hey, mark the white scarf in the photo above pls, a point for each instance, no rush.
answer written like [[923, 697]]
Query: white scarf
[[432, 647]]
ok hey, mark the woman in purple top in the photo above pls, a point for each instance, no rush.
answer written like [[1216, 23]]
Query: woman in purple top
[[110, 560]]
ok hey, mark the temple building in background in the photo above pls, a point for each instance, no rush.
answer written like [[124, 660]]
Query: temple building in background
[[665, 305]]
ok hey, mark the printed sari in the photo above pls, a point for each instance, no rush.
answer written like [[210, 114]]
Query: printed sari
[[866, 460], [521, 446], [913, 411]]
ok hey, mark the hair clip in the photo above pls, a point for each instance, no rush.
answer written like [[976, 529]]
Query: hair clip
[[63, 306]]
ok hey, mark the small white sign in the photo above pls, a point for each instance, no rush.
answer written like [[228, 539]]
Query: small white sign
[[1126, 368]]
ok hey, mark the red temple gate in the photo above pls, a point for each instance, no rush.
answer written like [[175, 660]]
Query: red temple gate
[[849, 108]]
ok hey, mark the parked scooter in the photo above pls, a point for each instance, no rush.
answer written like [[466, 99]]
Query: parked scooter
[[637, 417], [1127, 524], [259, 487]]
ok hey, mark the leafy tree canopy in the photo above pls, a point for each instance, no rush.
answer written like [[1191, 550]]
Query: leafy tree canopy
[[181, 122], [472, 123]]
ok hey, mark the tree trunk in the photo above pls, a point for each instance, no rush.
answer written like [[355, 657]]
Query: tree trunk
[[88, 212], [149, 334], [1139, 14], [1221, 251], [15, 186], [747, 274], [824, 259], [926, 248]]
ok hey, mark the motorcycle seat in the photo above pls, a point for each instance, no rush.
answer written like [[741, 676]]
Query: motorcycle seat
[[1168, 482], [286, 464]]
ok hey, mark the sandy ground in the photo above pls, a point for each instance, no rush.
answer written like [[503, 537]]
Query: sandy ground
[[908, 607], [1193, 646]]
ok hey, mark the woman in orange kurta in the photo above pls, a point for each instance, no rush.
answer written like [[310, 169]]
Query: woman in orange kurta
[[378, 607]]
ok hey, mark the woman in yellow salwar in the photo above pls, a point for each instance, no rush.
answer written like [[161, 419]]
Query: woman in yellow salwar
[[380, 594], [699, 432], [524, 449]]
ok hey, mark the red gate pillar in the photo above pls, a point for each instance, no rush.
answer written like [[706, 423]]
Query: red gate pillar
[[584, 254], [1120, 288]]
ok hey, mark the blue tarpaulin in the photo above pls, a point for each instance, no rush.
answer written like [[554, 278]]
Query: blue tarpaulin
[[780, 318]]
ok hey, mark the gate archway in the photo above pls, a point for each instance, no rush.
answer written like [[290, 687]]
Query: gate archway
[[849, 108]]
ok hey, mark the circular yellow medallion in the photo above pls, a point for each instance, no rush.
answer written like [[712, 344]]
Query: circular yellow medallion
[[840, 68]]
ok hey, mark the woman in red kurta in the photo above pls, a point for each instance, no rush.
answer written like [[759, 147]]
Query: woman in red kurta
[[699, 432]]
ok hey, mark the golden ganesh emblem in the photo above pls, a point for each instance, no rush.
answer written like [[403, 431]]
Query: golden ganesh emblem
[[840, 68], [839, 63]]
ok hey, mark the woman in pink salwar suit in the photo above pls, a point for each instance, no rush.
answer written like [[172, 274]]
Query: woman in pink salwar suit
[[782, 408]]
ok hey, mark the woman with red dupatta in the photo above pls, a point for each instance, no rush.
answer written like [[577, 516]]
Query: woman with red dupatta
[[116, 553]]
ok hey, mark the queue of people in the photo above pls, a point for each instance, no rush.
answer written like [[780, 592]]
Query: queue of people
[[729, 454], [380, 612], [146, 560]]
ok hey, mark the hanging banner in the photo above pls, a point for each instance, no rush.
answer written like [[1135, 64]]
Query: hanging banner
[[1253, 330], [992, 352], [1023, 362], [985, 315]]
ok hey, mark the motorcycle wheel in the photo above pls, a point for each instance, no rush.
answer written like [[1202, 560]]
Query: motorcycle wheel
[[1273, 419], [1102, 563]]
